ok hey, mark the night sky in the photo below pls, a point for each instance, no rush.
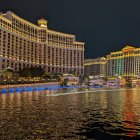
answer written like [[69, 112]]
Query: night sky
[[104, 25]]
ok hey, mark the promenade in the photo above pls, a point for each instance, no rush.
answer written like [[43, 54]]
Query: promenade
[[27, 85]]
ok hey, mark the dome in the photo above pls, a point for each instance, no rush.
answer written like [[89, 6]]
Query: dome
[[103, 58], [42, 22]]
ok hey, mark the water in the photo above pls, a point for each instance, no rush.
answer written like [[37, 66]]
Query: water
[[71, 114]]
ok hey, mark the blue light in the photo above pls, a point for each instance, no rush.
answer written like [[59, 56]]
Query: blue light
[[46, 88], [3, 91], [24, 89], [18, 89], [29, 89], [41, 88], [11, 90], [35, 88]]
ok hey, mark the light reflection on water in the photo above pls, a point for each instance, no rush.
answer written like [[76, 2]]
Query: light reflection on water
[[70, 114]]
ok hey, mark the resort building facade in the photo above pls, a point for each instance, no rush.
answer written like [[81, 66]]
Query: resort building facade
[[124, 63], [23, 44], [95, 67]]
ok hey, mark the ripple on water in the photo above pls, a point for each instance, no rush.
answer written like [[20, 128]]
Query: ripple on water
[[70, 114]]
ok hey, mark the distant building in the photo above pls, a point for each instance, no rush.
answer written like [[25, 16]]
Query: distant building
[[124, 63], [136, 82], [70, 79], [116, 81], [95, 67], [98, 81], [24, 44]]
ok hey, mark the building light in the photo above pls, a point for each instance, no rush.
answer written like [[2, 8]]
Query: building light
[[39, 37]]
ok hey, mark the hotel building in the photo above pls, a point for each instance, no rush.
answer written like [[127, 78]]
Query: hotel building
[[95, 67], [23, 44], [125, 63]]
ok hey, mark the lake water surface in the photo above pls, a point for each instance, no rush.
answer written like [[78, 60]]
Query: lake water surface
[[71, 114]]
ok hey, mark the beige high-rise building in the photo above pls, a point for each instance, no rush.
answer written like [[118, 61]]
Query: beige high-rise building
[[95, 67], [23, 44], [124, 63]]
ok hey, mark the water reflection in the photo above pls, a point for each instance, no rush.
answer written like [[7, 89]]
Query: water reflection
[[70, 114], [130, 116]]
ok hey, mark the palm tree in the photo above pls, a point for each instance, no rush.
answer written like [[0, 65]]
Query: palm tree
[[7, 74], [2, 75], [57, 76]]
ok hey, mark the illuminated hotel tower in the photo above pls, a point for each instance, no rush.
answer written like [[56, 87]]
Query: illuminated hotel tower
[[124, 63], [95, 67], [23, 44]]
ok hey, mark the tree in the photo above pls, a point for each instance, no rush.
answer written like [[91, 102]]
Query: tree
[[57, 76], [65, 82], [7, 74], [37, 72], [25, 72], [2, 76], [47, 76], [83, 79], [128, 82], [32, 72]]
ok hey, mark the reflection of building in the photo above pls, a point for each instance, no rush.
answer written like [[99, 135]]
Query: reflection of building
[[130, 116], [95, 66], [125, 62], [23, 44]]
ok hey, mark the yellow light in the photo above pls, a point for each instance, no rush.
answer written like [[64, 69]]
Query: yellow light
[[42, 22]]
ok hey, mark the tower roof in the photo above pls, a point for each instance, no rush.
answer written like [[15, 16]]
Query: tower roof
[[42, 22], [128, 49]]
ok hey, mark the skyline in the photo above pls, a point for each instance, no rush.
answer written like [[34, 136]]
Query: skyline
[[108, 26]]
